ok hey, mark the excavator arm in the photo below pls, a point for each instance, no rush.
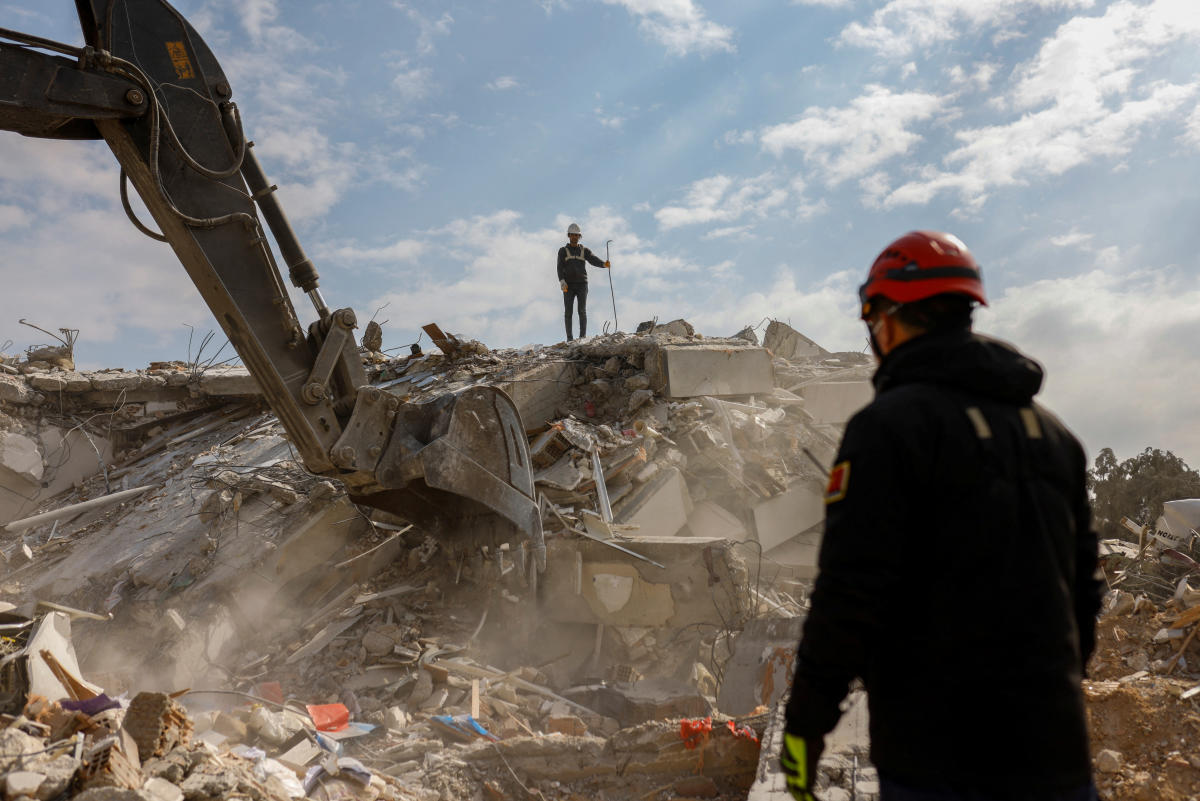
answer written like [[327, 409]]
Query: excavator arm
[[147, 84]]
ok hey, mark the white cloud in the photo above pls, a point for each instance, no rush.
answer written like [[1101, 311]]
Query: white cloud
[[256, 16], [609, 120], [1074, 238], [826, 3], [730, 232], [1079, 99], [402, 250], [13, 217], [1107, 327], [720, 198], [1192, 134], [503, 82], [852, 140], [738, 137], [679, 25], [497, 281], [824, 311], [413, 84], [427, 28], [979, 80], [903, 27]]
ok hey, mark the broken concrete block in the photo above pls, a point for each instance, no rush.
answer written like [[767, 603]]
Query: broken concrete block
[[1109, 761], [759, 671], [835, 402], [22, 782], [228, 381], [639, 381], [780, 518], [709, 519], [162, 790], [660, 507], [639, 398], [157, 724], [678, 328], [547, 448], [788, 343], [49, 382], [589, 582], [115, 382], [15, 390], [19, 455], [566, 724], [539, 391], [800, 553], [685, 371]]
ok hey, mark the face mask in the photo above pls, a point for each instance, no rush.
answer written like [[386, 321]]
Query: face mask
[[872, 332]]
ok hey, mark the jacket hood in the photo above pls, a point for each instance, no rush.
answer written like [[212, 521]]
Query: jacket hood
[[963, 360]]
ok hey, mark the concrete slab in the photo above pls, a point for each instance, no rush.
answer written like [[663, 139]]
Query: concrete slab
[[799, 554], [20, 456], [685, 371], [539, 391], [588, 582], [709, 519], [760, 670], [788, 343], [660, 507], [797, 509], [835, 402], [227, 381]]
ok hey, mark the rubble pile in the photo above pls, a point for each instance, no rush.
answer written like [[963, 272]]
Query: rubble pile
[[1143, 694], [192, 615], [172, 525]]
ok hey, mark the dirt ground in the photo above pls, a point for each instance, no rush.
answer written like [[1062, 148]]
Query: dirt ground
[[1136, 711]]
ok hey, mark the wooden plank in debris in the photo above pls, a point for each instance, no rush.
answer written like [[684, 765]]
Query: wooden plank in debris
[[1187, 618], [476, 672], [447, 342], [323, 638]]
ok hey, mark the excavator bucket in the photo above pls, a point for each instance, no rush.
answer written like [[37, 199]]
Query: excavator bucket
[[459, 465]]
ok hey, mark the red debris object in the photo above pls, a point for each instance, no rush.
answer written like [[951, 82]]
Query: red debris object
[[589, 408], [329, 717], [270, 691], [745, 731], [695, 733]]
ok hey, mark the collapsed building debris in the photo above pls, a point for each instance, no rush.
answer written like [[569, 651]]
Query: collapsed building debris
[[331, 651], [177, 523]]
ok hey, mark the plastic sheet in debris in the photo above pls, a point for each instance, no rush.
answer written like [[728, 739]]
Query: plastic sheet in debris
[[266, 767]]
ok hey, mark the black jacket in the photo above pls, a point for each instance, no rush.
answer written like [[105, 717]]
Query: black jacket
[[957, 576], [571, 267]]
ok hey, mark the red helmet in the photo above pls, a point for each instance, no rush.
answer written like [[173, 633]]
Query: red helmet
[[922, 264]]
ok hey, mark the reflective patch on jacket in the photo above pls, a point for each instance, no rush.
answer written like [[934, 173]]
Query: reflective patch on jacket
[[839, 481]]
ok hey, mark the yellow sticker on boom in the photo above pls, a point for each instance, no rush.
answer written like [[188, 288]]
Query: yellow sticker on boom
[[179, 59]]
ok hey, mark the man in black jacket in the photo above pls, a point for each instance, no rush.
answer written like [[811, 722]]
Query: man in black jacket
[[573, 260], [957, 572]]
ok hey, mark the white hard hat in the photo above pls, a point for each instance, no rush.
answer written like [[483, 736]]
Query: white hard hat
[[573, 229]]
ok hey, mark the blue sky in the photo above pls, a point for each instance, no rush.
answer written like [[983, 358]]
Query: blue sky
[[748, 159]]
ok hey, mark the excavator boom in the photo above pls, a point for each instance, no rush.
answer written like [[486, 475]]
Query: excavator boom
[[147, 84]]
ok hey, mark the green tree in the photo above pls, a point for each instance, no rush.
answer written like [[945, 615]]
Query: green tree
[[1136, 488]]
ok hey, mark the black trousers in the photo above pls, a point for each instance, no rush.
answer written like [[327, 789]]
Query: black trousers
[[575, 290]]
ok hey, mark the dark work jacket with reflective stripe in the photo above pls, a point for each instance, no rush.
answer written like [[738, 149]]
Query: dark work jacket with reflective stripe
[[571, 263], [957, 576]]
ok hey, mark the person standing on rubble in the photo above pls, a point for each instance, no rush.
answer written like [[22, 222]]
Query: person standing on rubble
[[573, 260], [957, 572]]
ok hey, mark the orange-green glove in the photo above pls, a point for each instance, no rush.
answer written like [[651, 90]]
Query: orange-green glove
[[563, 285], [798, 758], [606, 264]]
